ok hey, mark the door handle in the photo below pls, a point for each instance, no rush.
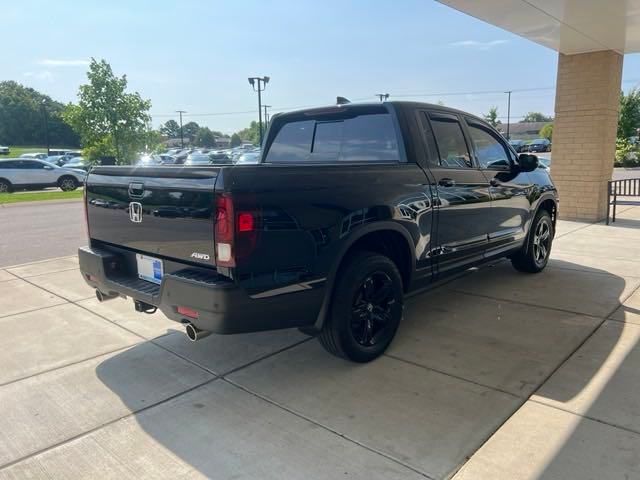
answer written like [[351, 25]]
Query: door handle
[[447, 182]]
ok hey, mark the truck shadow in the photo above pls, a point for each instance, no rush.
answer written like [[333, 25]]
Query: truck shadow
[[495, 327]]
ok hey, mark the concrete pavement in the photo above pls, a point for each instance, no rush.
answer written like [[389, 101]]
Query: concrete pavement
[[496, 375]]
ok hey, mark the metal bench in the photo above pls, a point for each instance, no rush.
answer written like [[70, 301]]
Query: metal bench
[[627, 187]]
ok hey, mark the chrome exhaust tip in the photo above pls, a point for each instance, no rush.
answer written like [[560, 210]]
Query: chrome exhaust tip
[[103, 297], [194, 333]]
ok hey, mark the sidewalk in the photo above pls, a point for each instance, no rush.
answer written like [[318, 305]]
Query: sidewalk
[[496, 375]]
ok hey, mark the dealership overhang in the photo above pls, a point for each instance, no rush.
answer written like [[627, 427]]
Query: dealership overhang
[[591, 38]]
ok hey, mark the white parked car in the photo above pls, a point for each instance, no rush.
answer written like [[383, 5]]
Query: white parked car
[[4, 150], [33, 173]]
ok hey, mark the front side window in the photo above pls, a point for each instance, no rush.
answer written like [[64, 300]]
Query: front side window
[[363, 138], [490, 153], [451, 144]]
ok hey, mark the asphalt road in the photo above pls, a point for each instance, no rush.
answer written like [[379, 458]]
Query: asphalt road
[[32, 232]]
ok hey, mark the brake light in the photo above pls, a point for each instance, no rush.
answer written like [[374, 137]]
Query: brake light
[[228, 227], [245, 222]]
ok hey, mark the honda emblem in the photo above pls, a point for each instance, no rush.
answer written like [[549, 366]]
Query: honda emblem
[[135, 212]]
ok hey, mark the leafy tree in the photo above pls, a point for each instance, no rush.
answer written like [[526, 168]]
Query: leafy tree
[[236, 141], [22, 118], [109, 120], [171, 129], [629, 116], [492, 117], [536, 117], [190, 130], [250, 134], [205, 137], [546, 131]]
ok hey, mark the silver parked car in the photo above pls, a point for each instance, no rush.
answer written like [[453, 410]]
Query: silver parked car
[[31, 173]]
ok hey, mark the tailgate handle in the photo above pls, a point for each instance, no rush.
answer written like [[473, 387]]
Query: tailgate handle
[[136, 189]]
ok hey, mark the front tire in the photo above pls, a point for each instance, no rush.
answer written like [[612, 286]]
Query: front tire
[[366, 308], [534, 256], [68, 184]]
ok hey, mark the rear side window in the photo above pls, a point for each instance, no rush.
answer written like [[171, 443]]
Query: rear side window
[[364, 138], [451, 144], [10, 164]]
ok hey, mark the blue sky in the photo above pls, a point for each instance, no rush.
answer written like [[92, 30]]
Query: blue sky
[[196, 55]]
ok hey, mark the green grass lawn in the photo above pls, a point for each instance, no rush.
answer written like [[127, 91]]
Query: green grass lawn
[[38, 196]]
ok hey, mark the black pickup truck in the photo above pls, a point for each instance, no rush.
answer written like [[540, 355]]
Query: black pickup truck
[[350, 207]]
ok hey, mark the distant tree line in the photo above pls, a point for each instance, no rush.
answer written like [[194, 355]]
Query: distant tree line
[[22, 120]]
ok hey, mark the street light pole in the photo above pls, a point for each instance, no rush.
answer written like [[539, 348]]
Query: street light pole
[[46, 125], [181, 132], [508, 112], [382, 96], [266, 117], [262, 84]]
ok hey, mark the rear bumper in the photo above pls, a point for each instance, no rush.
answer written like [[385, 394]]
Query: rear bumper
[[222, 306]]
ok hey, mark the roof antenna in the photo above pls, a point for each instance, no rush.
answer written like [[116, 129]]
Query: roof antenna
[[342, 100]]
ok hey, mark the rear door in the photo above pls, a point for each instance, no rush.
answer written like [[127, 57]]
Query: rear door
[[463, 197]]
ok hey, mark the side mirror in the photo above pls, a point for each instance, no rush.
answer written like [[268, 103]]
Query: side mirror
[[528, 162]]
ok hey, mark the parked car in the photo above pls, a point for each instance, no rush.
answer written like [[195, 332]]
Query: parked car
[[55, 159], [351, 207], [78, 163], [220, 158], [539, 145], [4, 150], [518, 145], [167, 159], [198, 159], [149, 161], [248, 158], [26, 173], [38, 155]]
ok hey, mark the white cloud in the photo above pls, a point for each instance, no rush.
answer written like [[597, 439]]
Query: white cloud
[[49, 62], [478, 45]]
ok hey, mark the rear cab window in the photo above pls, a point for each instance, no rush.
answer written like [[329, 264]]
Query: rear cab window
[[337, 134]]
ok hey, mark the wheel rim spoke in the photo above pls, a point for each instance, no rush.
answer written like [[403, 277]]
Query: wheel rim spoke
[[371, 309]]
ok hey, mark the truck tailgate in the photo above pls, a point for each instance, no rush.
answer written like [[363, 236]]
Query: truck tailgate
[[166, 212]]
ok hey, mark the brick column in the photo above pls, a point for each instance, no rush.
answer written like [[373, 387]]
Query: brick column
[[584, 131]]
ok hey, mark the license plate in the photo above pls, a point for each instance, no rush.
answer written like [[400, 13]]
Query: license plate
[[149, 268]]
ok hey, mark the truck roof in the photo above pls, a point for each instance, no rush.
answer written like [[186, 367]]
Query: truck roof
[[400, 104]]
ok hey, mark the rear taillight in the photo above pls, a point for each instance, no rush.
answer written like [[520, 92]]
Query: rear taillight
[[232, 227], [224, 231]]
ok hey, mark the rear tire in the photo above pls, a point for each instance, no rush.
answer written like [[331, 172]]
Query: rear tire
[[534, 256], [5, 186], [366, 308], [67, 184]]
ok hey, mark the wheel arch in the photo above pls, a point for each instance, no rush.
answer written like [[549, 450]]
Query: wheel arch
[[387, 238], [549, 203]]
